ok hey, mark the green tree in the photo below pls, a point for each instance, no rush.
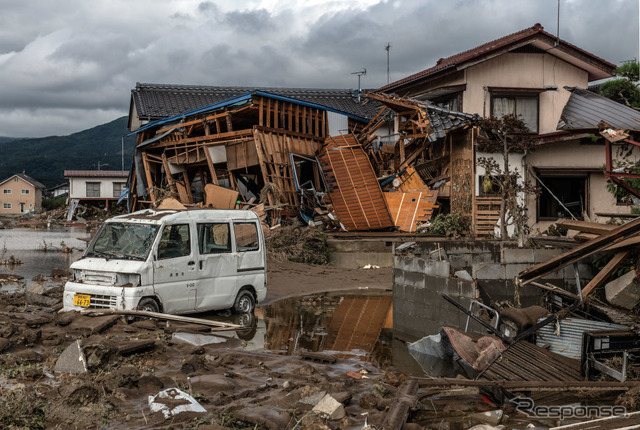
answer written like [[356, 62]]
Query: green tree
[[510, 135], [623, 89]]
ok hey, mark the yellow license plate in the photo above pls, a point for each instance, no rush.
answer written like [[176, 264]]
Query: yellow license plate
[[81, 300]]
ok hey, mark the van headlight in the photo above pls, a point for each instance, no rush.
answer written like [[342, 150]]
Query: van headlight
[[127, 279], [78, 275]]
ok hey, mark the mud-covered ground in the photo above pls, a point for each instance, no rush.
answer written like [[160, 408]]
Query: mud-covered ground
[[129, 361], [238, 386]]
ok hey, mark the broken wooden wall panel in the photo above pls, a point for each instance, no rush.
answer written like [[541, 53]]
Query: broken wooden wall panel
[[220, 197], [410, 209], [352, 186], [241, 154], [411, 181]]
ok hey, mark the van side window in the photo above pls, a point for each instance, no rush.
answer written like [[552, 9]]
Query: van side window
[[175, 241], [214, 238], [246, 234]]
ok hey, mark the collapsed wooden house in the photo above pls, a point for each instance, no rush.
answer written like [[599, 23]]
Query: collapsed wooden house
[[243, 143]]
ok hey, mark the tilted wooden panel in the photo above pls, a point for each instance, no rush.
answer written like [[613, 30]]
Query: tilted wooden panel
[[352, 186], [411, 209], [487, 215]]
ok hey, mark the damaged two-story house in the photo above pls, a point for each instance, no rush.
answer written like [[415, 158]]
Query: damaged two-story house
[[533, 75]]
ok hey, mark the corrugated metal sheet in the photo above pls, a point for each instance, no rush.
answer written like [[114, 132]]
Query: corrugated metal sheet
[[352, 185], [585, 110], [338, 124], [568, 341]]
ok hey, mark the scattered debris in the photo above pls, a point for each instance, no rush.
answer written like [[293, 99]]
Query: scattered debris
[[172, 402]]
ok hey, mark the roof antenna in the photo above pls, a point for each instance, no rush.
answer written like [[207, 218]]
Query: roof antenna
[[360, 73], [388, 48], [558, 26]]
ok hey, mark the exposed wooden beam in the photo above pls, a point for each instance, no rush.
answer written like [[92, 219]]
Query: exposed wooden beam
[[606, 271]]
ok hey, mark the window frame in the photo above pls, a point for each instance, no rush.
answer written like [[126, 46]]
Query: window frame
[[7, 206], [167, 240], [200, 226], [122, 186], [25, 191], [569, 175], [517, 94], [93, 183], [235, 236]]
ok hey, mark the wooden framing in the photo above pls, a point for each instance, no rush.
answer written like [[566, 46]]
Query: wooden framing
[[264, 131]]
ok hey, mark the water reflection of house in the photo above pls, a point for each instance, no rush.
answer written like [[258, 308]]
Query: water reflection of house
[[354, 325]]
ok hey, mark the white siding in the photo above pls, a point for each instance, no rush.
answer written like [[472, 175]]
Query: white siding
[[338, 124]]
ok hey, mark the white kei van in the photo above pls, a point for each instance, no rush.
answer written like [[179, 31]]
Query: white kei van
[[176, 262]]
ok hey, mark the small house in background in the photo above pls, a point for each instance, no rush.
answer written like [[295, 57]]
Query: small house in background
[[20, 194], [99, 187], [57, 191]]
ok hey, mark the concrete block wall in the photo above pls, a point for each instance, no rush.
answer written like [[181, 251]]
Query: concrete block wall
[[420, 279], [418, 306]]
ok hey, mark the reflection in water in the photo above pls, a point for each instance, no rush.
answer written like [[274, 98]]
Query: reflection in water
[[353, 324], [347, 325]]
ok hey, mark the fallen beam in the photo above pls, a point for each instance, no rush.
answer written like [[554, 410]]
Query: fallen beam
[[579, 252], [399, 409], [606, 271], [538, 386], [161, 316], [584, 226]]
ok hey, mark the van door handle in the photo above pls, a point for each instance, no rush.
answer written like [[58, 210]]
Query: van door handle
[[191, 263]]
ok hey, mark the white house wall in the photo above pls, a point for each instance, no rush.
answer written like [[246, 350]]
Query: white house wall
[[519, 70], [78, 187]]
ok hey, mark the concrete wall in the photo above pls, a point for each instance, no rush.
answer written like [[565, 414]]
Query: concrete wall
[[420, 279], [354, 254]]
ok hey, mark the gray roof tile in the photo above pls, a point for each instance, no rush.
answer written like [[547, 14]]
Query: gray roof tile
[[156, 101], [586, 109]]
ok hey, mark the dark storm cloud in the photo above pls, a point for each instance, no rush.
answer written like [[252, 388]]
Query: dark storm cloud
[[77, 67]]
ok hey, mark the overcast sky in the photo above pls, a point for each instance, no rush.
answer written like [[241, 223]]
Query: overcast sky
[[69, 65]]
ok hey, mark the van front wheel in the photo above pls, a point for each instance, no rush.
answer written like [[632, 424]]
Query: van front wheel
[[149, 305], [245, 303]]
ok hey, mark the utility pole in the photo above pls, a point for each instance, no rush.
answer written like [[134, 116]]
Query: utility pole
[[388, 48], [122, 153]]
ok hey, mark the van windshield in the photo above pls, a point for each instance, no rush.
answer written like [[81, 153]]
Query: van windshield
[[123, 241]]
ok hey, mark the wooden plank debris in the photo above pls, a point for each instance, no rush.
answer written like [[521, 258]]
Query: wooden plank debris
[[161, 316], [579, 252]]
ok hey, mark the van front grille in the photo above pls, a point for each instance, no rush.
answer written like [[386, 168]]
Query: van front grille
[[98, 278], [103, 302]]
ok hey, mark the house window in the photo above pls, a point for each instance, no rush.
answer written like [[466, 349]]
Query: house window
[[118, 188], [524, 107], [25, 191], [93, 189], [451, 102], [6, 191], [563, 196], [7, 205]]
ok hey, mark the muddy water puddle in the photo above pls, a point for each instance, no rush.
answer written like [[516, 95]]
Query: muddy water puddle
[[39, 251], [352, 326]]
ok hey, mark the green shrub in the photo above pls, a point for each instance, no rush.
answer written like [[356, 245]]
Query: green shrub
[[53, 203], [449, 224]]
